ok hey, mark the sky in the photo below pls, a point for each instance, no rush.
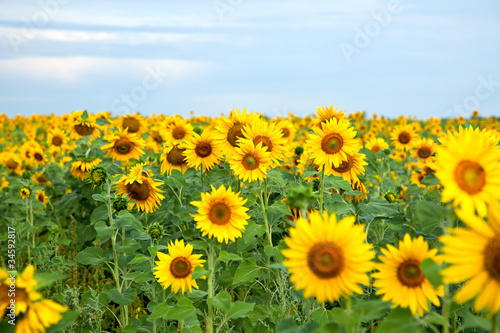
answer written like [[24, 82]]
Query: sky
[[399, 57]]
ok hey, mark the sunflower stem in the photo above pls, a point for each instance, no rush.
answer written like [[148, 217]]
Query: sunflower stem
[[494, 323], [201, 178], [308, 306], [210, 326], [322, 189]]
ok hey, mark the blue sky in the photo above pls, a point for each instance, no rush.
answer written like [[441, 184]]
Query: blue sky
[[422, 58]]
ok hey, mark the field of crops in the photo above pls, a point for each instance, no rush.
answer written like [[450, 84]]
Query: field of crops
[[330, 223]]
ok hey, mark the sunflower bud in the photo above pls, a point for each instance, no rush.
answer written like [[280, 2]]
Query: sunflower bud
[[391, 197], [155, 231], [98, 176], [298, 151], [26, 174], [25, 192], [120, 204]]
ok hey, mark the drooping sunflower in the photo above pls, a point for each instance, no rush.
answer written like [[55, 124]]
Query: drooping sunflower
[[250, 162], [474, 255], [124, 146], [423, 150], [141, 189], [202, 151], [177, 131], [328, 258], [229, 130], [331, 143], [25, 192], [80, 169], [349, 169], [82, 125], [469, 170], [270, 136], [325, 114], [173, 158], [400, 278], [221, 214], [42, 197], [403, 137], [376, 144], [175, 269]]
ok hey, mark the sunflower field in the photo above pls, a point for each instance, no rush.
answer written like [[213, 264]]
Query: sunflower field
[[333, 222]]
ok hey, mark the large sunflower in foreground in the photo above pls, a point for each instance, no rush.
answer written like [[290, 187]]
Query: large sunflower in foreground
[[221, 214], [201, 151], [400, 278], [173, 158], [175, 269], [326, 258], [270, 136], [469, 170], [250, 162], [331, 143], [403, 137], [474, 255], [141, 189], [124, 146], [229, 130]]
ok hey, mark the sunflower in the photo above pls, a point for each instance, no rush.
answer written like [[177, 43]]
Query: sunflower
[[326, 258], [349, 169], [331, 143], [177, 131], [42, 197], [359, 186], [25, 192], [250, 162], [141, 189], [287, 128], [469, 170], [221, 214], [201, 150], [41, 315], [12, 162], [325, 114], [403, 137], [423, 150], [229, 130], [133, 123], [124, 146], [271, 138], [82, 125], [57, 139], [40, 179], [400, 278], [376, 144], [173, 158], [38, 157], [80, 169], [175, 269]]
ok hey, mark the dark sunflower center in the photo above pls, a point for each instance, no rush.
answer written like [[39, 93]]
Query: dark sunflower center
[[420, 177], [220, 214], [123, 146], [250, 162], [57, 141], [41, 179], [137, 192], [203, 149], [11, 164], [157, 137], [492, 258], [345, 165], [410, 274], [178, 133], [332, 143], [424, 152], [180, 267], [266, 142], [84, 129], [286, 132], [176, 156], [234, 134], [38, 157], [131, 124], [470, 176], [40, 197], [325, 260], [404, 137], [375, 149]]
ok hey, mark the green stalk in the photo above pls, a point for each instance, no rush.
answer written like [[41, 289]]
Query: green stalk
[[210, 326], [201, 178], [494, 323], [322, 190]]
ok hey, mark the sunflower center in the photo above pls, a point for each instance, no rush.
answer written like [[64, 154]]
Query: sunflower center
[[286, 132], [424, 152], [220, 214], [11, 164], [325, 260], [345, 165], [84, 129], [57, 141], [375, 149], [138, 192], [180, 267], [332, 143], [178, 133], [176, 156], [492, 258], [404, 137], [470, 176], [266, 142], [250, 162], [123, 146], [234, 134], [157, 137], [410, 274], [203, 149], [38, 157], [131, 124], [41, 179]]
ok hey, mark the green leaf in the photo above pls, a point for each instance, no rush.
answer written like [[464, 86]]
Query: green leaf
[[430, 179], [431, 215], [248, 271], [99, 197], [46, 279], [399, 320], [225, 256], [239, 309], [273, 252], [68, 317], [102, 121], [472, 321], [379, 207], [323, 316], [123, 298], [371, 310], [279, 207], [90, 256], [182, 310], [160, 311], [222, 301], [128, 246], [103, 230], [253, 230], [127, 220], [138, 259], [100, 213], [139, 277], [431, 270]]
